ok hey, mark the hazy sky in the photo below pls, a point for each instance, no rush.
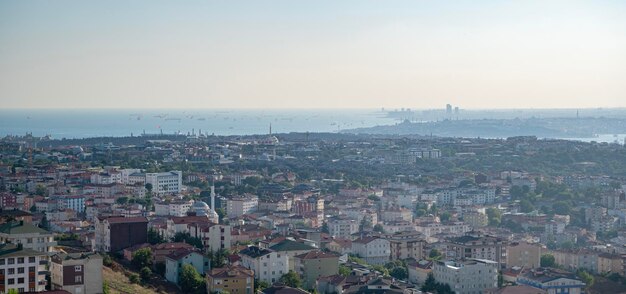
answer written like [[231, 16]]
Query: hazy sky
[[322, 54]]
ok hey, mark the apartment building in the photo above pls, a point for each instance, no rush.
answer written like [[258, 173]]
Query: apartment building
[[22, 269], [268, 265], [77, 273], [478, 247], [470, 276], [240, 205], [115, 233], [523, 254], [342, 228], [374, 250], [315, 264], [231, 279], [30, 236]]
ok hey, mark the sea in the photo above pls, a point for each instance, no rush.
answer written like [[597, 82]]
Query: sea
[[86, 123], [89, 123]]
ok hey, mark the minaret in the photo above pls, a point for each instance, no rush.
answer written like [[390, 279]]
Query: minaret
[[213, 197]]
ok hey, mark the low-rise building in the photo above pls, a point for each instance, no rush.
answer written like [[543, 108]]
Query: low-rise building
[[175, 260], [230, 279], [314, 264], [551, 280]]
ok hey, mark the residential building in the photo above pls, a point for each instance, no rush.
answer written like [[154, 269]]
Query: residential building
[[342, 228], [551, 280], [471, 276], [419, 270], [30, 236], [523, 254], [175, 260], [238, 206], [231, 279], [22, 269], [374, 250], [77, 273], [405, 245], [115, 233], [577, 259], [268, 265], [610, 263], [174, 208], [478, 247], [165, 183], [291, 248], [214, 237], [314, 264]]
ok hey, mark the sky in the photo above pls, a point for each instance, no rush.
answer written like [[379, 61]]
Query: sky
[[312, 54]]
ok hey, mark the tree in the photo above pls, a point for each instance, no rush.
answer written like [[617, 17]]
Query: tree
[[562, 208], [586, 277], [399, 273], [547, 260], [149, 187], [260, 285], [40, 190], [142, 258], [154, 237], [379, 228], [325, 228], [434, 254], [190, 280], [494, 215], [146, 274], [430, 284], [344, 270], [121, 200], [291, 279], [133, 278], [186, 237], [444, 217], [526, 206]]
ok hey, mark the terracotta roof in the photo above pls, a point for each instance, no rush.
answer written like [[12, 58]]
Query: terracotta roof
[[317, 255], [231, 272]]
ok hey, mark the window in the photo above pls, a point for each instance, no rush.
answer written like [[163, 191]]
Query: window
[[20, 270], [11, 261], [1, 261], [31, 259], [31, 269], [20, 280], [11, 282], [78, 268], [78, 279], [11, 271]]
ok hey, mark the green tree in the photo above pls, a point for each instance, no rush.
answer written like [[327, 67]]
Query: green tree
[[434, 254], [41, 190], [260, 285], [121, 200], [526, 206], [133, 278], [585, 277], [291, 279], [399, 272], [444, 217], [190, 280], [494, 216], [146, 274], [379, 228], [430, 284], [154, 237], [142, 258], [344, 270], [547, 260]]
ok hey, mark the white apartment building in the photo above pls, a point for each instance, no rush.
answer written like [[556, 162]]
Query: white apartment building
[[28, 235], [268, 265], [22, 270], [174, 208], [165, 183], [471, 276], [454, 229], [342, 228], [374, 250], [241, 205]]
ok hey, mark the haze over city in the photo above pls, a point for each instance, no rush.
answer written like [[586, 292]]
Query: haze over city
[[312, 54]]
